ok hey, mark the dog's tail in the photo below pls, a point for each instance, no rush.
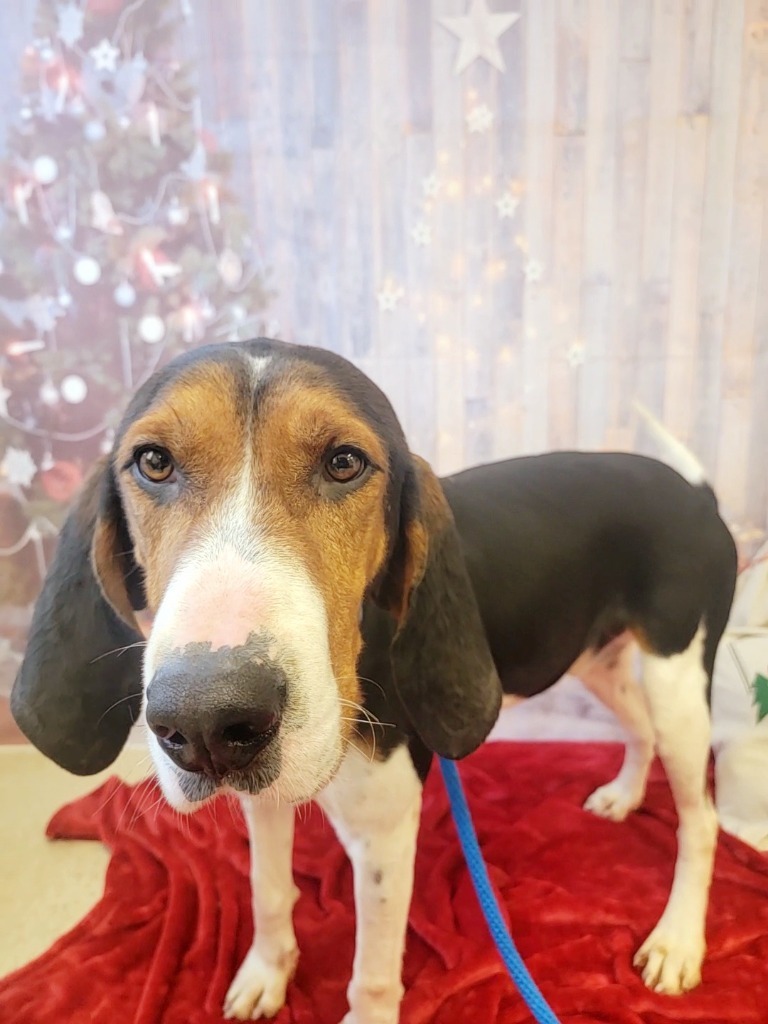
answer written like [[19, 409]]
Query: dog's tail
[[674, 452]]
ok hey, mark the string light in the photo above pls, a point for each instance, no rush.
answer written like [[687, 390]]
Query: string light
[[23, 348]]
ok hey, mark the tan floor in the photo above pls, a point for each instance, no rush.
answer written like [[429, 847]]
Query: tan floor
[[46, 887]]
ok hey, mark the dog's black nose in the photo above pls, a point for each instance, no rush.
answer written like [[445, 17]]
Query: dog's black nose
[[217, 722]]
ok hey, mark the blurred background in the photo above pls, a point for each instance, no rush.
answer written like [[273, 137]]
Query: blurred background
[[517, 217]]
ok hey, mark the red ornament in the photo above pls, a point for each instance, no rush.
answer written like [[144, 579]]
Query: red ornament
[[209, 141], [62, 481]]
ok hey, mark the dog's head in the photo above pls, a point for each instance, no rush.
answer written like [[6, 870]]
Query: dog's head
[[257, 496]]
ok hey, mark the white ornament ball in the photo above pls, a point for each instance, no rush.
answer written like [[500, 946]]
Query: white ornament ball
[[73, 389], [94, 131], [151, 329], [26, 114], [64, 298], [125, 294], [124, 121], [49, 393], [178, 214], [87, 271], [63, 233], [45, 170]]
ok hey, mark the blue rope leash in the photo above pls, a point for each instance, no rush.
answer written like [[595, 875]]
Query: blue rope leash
[[527, 987]]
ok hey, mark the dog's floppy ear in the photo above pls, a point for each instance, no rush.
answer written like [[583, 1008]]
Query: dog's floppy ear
[[441, 662], [79, 686]]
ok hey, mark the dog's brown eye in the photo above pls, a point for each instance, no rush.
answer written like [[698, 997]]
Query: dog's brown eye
[[345, 465], [155, 465]]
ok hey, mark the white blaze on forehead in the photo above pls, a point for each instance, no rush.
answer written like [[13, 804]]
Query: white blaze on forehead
[[258, 365]]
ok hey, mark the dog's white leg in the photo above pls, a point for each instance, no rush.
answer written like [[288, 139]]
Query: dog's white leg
[[672, 954], [612, 680], [259, 986], [374, 807]]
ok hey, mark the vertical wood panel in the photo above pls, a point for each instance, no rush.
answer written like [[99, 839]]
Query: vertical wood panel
[[739, 343], [448, 290], [716, 219], [665, 79], [539, 170], [598, 322], [633, 103]]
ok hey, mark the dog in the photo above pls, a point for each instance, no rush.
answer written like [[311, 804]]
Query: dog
[[328, 615]]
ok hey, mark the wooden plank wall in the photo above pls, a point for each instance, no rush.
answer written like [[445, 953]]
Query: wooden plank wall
[[635, 135]]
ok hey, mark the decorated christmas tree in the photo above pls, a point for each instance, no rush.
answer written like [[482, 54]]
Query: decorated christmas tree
[[120, 246]]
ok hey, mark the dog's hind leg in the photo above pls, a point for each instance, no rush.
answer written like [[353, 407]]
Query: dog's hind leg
[[676, 686], [609, 676]]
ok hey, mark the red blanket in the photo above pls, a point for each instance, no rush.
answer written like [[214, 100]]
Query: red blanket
[[580, 893]]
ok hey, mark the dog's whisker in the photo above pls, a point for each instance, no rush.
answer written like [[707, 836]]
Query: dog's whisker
[[122, 700], [118, 651]]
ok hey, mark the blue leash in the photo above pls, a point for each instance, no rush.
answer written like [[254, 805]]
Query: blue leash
[[527, 987]]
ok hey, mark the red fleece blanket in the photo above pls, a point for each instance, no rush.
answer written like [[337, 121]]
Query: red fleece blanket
[[580, 895]]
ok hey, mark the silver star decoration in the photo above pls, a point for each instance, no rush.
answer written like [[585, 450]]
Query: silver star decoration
[[480, 119], [430, 186], [479, 33], [105, 56], [507, 205], [70, 29], [533, 271], [389, 296], [421, 233], [18, 467], [575, 354]]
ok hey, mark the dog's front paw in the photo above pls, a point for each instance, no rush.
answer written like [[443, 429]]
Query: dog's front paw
[[671, 960], [259, 986], [613, 801]]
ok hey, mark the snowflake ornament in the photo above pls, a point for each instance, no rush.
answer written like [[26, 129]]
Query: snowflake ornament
[[533, 271], [105, 56], [507, 205], [575, 355], [480, 119], [71, 18], [389, 296], [430, 186], [421, 233], [18, 467]]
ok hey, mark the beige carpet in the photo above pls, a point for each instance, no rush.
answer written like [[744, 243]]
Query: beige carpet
[[46, 887]]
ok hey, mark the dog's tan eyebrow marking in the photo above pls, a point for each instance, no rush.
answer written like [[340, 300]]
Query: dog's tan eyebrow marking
[[202, 411]]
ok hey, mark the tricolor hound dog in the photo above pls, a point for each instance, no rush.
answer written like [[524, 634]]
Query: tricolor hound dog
[[309, 578]]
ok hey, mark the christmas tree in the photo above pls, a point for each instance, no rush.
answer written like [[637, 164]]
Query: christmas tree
[[120, 246]]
